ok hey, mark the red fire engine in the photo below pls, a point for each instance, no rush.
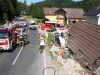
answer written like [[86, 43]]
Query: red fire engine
[[8, 37], [56, 24]]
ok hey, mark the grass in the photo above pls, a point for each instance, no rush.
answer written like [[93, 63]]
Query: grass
[[48, 50], [54, 58], [29, 18], [49, 39]]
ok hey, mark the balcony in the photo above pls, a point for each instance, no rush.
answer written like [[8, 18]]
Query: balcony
[[60, 18]]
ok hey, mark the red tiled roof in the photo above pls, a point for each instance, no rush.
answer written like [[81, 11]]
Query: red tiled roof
[[74, 12], [50, 10], [71, 12], [84, 41]]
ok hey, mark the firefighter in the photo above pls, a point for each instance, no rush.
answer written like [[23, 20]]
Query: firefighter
[[21, 39], [25, 38], [42, 44], [17, 35]]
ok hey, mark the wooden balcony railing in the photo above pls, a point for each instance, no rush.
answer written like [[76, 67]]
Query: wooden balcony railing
[[60, 18]]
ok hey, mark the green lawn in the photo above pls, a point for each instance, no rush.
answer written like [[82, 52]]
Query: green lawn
[[29, 18]]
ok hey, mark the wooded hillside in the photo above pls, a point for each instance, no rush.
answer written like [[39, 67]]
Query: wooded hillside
[[11, 8]]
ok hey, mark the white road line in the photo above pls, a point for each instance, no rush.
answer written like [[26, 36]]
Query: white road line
[[17, 55], [45, 62], [28, 32]]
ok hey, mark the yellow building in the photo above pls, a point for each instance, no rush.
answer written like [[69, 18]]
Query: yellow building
[[70, 15]]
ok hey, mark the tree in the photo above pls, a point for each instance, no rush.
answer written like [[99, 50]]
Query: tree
[[5, 17], [35, 11], [88, 4], [39, 13], [9, 7], [47, 3]]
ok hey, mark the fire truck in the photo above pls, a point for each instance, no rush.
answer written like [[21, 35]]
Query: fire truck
[[8, 37], [52, 25]]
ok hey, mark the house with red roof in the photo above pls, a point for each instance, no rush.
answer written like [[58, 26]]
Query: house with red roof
[[69, 15]]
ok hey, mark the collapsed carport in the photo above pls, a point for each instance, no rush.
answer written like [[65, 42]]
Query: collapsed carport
[[84, 44]]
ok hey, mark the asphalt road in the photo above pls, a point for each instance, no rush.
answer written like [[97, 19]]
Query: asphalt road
[[23, 60]]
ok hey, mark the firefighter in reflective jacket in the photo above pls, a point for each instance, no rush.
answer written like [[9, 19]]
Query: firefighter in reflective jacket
[[21, 39], [25, 38]]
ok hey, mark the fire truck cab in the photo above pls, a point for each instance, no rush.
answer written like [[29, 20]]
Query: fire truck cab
[[8, 37], [52, 25]]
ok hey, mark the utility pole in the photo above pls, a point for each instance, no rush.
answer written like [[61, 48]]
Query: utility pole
[[24, 7], [24, 4]]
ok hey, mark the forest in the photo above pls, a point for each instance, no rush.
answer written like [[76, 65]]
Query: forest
[[12, 8]]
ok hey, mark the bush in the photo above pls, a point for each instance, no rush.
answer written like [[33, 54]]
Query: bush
[[5, 17], [69, 25], [38, 21], [64, 22], [49, 39]]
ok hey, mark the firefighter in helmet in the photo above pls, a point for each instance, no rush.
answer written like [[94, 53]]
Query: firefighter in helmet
[[25, 38], [17, 35], [21, 39]]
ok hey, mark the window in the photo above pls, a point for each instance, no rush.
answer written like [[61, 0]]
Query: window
[[32, 24], [22, 19], [60, 16], [3, 34]]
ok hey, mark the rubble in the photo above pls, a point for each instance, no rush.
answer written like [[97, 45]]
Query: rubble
[[70, 66]]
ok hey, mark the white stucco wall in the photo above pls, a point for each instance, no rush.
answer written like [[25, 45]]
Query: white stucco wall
[[53, 18], [99, 20], [92, 19]]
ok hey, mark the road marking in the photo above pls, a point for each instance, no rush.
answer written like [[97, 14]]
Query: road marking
[[45, 62], [17, 55], [28, 32], [31, 48], [33, 45]]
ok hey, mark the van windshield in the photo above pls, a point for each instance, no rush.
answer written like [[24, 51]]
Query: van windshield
[[21, 26], [23, 20], [32, 24], [3, 34]]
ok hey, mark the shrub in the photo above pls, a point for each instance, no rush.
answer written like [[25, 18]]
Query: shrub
[[49, 39], [5, 17], [69, 25], [38, 21]]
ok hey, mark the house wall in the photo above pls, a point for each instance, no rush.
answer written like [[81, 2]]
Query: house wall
[[80, 20], [60, 14], [71, 21], [99, 20], [92, 19], [52, 18]]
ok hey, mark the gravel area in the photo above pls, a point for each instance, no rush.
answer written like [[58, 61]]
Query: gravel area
[[63, 66]]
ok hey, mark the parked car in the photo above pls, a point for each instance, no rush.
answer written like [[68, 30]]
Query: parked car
[[32, 25], [22, 21]]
